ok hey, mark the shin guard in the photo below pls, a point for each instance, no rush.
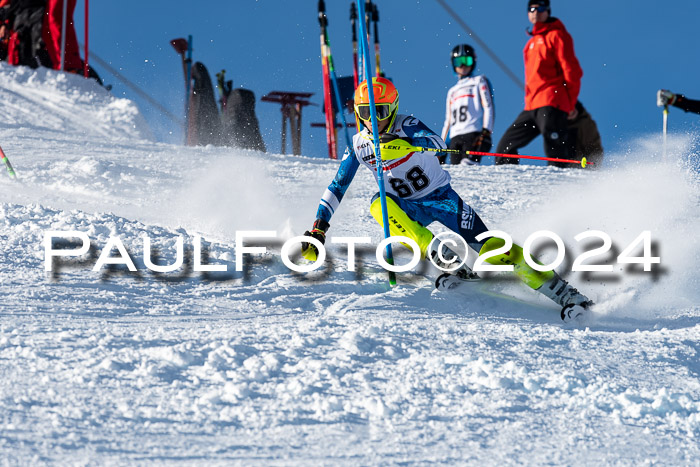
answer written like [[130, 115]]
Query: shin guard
[[401, 224], [514, 257]]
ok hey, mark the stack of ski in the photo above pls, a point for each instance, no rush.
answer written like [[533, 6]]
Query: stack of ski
[[327, 102]]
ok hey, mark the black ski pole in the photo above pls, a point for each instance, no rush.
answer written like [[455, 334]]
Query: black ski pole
[[353, 20], [375, 18]]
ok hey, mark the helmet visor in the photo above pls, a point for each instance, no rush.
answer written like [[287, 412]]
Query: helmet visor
[[383, 111], [462, 61]]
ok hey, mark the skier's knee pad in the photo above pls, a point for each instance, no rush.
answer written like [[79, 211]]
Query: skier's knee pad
[[401, 224], [514, 257]]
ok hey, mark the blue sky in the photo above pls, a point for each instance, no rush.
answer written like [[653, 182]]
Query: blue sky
[[628, 50]]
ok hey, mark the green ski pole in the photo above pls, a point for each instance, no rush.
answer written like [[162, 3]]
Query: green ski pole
[[8, 166]]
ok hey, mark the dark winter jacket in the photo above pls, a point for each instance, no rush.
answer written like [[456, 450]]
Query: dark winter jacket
[[689, 105], [584, 138], [552, 72], [18, 6]]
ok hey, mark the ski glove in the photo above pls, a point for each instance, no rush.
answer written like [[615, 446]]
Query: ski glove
[[483, 142], [318, 231], [664, 97]]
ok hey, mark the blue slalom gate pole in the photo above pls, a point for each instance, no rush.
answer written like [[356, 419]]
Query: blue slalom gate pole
[[375, 134]]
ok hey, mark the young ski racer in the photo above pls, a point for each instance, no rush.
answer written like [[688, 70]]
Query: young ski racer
[[470, 109], [419, 193]]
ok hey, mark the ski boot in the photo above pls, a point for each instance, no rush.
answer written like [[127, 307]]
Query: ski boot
[[574, 304], [464, 272]]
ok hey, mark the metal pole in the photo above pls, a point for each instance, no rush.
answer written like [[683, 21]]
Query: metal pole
[[665, 150], [188, 87], [298, 107], [86, 70], [63, 35], [285, 114], [375, 18]]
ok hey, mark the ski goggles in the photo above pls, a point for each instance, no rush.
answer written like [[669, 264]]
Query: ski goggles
[[383, 111], [462, 61], [538, 9]]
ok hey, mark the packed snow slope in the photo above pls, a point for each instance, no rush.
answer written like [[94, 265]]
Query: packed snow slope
[[269, 366]]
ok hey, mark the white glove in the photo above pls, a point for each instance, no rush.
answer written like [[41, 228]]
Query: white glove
[[664, 97]]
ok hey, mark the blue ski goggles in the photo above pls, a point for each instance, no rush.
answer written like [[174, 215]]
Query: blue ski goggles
[[462, 61], [383, 111], [538, 9]]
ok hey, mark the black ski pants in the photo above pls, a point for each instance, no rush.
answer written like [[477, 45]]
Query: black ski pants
[[549, 122], [28, 25], [468, 142]]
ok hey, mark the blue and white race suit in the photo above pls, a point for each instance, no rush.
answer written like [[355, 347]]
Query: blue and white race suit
[[417, 181]]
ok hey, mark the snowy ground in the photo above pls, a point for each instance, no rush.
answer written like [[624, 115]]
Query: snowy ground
[[332, 367]]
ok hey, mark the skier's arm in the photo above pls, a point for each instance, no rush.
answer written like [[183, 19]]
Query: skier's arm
[[422, 136], [564, 48], [486, 93], [336, 190], [329, 203], [689, 105]]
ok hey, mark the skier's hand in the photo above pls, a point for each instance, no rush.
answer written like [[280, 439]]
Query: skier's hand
[[664, 97], [308, 250], [394, 146], [573, 114], [483, 141]]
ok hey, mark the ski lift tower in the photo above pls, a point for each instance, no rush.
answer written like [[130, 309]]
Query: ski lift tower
[[292, 103]]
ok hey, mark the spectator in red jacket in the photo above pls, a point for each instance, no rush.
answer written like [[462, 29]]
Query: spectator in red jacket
[[52, 36], [552, 84]]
